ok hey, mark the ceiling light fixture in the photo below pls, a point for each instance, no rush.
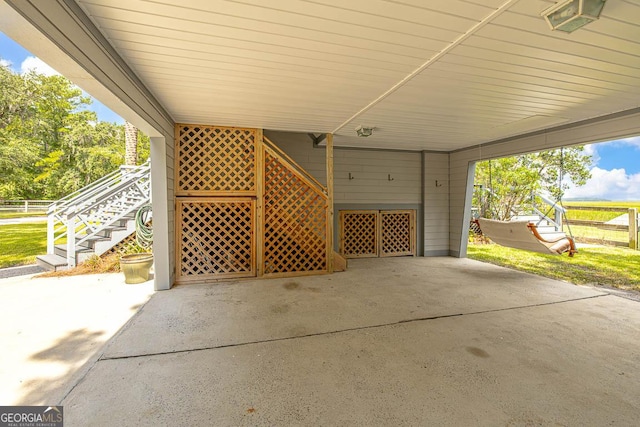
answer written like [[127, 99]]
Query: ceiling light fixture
[[364, 131], [569, 15]]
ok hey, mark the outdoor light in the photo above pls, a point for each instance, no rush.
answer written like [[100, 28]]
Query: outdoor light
[[569, 15], [363, 131]]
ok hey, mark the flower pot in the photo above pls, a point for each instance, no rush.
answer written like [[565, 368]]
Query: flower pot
[[136, 267]]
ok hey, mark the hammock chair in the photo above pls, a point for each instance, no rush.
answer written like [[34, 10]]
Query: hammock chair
[[523, 234]]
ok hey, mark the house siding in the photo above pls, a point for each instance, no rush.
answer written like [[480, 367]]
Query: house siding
[[371, 188], [436, 204]]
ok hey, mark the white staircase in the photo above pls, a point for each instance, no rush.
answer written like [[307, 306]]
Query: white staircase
[[96, 218]]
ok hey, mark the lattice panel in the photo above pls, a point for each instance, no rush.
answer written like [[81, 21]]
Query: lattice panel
[[295, 216], [215, 161], [127, 246], [397, 231], [358, 234], [216, 238]]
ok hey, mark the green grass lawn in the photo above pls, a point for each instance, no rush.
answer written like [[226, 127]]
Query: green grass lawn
[[605, 204], [608, 266], [20, 243], [579, 231]]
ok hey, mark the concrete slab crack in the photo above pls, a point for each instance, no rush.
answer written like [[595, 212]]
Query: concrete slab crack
[[359, 328]]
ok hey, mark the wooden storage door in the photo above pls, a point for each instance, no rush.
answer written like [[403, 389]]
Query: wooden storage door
[[359, 234], [397, 233], [216, 238], [373, 233]]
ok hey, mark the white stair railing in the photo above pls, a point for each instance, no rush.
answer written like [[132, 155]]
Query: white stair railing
[[83, 214]]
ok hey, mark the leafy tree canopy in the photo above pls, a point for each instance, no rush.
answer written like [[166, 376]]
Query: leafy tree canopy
[[50, 144], [506, 186]]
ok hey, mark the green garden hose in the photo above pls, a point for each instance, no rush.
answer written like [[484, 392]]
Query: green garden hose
[[144, 230]]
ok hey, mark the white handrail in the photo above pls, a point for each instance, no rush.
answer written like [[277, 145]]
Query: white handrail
[[86, 212]]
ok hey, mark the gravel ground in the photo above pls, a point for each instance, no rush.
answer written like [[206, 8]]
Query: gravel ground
[[23, 270]]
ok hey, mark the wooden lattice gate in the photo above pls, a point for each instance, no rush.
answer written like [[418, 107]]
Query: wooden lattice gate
[[374, 233], [243, 208], [216, 238]]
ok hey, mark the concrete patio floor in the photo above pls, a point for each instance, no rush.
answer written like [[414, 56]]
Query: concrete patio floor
[[53, 329], [407, 341]]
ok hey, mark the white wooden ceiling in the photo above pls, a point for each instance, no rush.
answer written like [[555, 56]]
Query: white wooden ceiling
[[428, 75]]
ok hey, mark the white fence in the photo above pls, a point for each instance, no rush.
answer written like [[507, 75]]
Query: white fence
[[24, 205]]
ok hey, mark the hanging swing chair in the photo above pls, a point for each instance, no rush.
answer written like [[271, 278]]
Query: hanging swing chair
[[524, 234]]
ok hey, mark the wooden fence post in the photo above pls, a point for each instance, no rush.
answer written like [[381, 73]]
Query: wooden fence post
[[633, 228]]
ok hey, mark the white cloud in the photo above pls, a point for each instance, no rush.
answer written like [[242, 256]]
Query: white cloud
[[5, 62], [613, 184], [592, 150], [31, 63]]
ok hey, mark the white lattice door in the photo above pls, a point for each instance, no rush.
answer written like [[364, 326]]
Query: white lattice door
[[377, 233]]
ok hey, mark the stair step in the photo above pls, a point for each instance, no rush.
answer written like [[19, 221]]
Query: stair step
[[52, 262], [105, 232], [61, 250]]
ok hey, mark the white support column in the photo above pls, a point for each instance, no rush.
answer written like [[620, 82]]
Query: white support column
[[466, 219], [160, 207]]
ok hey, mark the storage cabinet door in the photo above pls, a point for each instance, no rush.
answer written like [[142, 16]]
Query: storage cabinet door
[[373, 233], [397, 233], [359, 237], [216, 238]]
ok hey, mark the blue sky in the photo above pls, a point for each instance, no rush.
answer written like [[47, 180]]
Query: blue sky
[[615, 170], [615, 173]]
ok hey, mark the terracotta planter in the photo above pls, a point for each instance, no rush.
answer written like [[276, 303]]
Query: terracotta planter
[[136, 267]]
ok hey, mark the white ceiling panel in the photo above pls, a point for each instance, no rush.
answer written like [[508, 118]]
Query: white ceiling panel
[[436, 75]]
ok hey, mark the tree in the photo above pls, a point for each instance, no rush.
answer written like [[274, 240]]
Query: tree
[[507, 186], [50, 144]]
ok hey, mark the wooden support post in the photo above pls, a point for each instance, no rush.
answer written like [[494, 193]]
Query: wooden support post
[[633, 228], [259, 217], [329, 203]]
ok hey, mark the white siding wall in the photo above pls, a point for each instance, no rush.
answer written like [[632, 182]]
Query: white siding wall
[[371, 188], [436, 204], [370, 169]]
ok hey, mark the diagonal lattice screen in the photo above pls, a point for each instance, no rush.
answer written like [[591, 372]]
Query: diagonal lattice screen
[[216, 238], [215, 161], [295, 215], [396, 233], [358, 231]]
